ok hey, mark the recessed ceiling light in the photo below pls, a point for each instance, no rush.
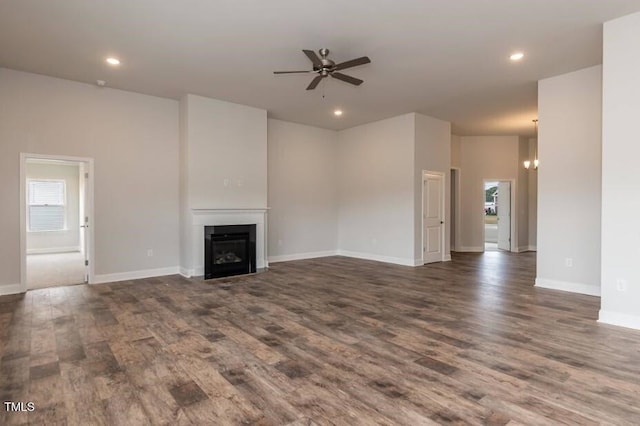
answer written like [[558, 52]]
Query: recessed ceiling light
[[337, 112], [516, 56], [113, 61]]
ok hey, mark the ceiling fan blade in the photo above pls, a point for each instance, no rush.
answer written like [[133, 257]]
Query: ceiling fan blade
[[313, 56], [291, 72], [353, 63], [315, 82], [347, 78]]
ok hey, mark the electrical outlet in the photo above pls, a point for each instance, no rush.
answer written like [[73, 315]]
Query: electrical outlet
[[568, 262], [150, 253], [621, 285]]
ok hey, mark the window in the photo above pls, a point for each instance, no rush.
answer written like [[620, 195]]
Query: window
[[46, 205]]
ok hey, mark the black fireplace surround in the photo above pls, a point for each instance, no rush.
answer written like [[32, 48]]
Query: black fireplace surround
[[229, 250]]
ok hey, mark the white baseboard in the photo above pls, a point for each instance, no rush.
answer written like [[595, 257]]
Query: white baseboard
[[471, 249], [54, 250], [135, 275], [581, 288], [619, 319], [302, 256], [378, 258], [346, 253], [447, 258], [525, 249], [187, 273], [10, 289]]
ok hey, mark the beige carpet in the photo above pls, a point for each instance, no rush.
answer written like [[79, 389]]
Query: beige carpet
[[48, 270]]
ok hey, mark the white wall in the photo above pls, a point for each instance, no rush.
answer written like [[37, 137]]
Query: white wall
[[376, 190], [455, 151], [432, 153], [226, 154], [569, 181], [620, 174], [67, 239], [454, 219], [533, 198], [491, 158], [186, 254], [523, 194], [351, 192], [223, 164], [133, 139], [303, 191]]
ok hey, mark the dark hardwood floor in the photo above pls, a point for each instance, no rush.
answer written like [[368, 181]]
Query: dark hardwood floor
[[326, 341]]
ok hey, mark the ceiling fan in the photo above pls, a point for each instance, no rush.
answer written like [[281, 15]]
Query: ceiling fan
[[325, 67]]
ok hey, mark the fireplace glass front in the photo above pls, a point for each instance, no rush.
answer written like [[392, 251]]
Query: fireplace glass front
[[229, 250]]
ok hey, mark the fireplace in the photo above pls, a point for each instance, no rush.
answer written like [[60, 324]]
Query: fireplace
[[229, 250]]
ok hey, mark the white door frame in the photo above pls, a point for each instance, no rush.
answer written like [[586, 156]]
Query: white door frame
[[512, 218], [455, 215], [90, 245], [443, 210]]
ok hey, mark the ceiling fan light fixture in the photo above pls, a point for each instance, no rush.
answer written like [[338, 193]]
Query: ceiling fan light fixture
[[324, 67]]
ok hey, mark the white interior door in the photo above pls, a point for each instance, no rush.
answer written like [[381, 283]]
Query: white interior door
[[433, 214], [504, 215], [84, 217], [452, 211]]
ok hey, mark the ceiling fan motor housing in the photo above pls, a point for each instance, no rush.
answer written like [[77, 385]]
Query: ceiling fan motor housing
[[327, 64]]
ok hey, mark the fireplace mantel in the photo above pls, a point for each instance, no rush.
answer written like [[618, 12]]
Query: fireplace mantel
[[201, 217], [247, 209]]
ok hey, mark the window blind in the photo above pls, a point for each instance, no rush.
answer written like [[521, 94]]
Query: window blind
[[46, 205]]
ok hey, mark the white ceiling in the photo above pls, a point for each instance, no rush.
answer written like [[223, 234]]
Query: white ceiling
[[444, 58]]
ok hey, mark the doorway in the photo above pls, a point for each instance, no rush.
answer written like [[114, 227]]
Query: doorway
[[454, 211], [433, 229], [497, 223], [56, 207]]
